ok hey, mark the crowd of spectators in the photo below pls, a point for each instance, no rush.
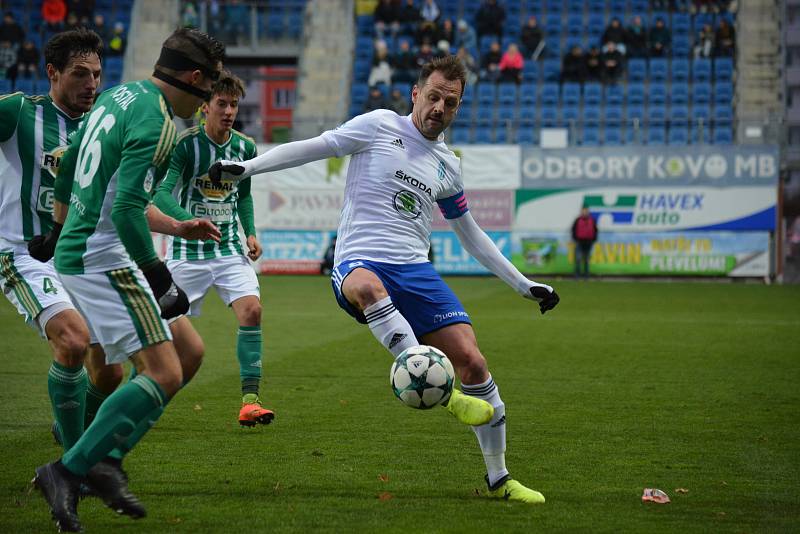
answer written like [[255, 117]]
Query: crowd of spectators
[[20, 57]]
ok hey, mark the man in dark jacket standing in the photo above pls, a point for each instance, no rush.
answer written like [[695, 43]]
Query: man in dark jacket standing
[[584, 233]]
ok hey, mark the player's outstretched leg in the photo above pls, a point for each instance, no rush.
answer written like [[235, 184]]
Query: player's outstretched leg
[[469, 410], [60, 489], [509, 489]]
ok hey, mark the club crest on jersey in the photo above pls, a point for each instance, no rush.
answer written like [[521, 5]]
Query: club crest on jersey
[[149, 180], [441, 172], [408, 204], [51, 160], [213, 191]]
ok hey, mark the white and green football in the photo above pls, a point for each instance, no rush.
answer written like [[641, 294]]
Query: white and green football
[[422, 377]]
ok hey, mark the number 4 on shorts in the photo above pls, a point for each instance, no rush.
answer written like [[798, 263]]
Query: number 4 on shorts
[[48, 287]]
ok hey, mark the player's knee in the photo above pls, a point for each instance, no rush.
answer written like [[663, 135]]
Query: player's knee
[[106, 378], [71, 346], [368, 293], [473, 369], [252, 315], [170, 380]]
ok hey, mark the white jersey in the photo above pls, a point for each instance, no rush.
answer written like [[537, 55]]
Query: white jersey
[[394, 177]]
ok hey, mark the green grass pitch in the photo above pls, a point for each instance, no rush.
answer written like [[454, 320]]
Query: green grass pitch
[[624, 386]]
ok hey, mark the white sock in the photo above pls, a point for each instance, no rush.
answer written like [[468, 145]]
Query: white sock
[[389, 327], [492, 435]]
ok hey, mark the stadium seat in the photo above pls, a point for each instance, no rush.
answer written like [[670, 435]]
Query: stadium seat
[[593, 93], [655, 135], [527, 115], [575, 6], [483, 135], [613, 115], [460, 136], [657, 93], [680, 70], [658, 69], [678, 134], [361, 69], [597, 6], [656, 114], [575, 23], [701, 19], [637, 69], [723, 114], [701, 113], [635, 93], [5, 86], [592, 115], [486, 94], [679, 93], [701, 70], [635, 112], [569, 115], [681, 46], [527, 93], [701, 93], [548, 116], [679, 112], [723, 135], [701, 133], [26, 85], [617, 7], [723, 92], [486, 42], [484, 116], [613, 136], [530, 71], [549, 96], [681, 23], [526, 136], [500, 134], [723, 69], [571, 94], [505, 115], [551, 70], [590, 136], [615, 95], [507, 93], [596, 23]]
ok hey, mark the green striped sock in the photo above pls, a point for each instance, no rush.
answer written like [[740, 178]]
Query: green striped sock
[[67, 389], [248, 351]]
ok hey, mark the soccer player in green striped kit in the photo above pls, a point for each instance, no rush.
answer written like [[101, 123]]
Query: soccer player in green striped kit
[[187, 192], [106, 262], [34, 134]]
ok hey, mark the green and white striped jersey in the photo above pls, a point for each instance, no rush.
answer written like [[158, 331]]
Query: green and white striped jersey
[[188, 185], [34, 134], [123, 149]]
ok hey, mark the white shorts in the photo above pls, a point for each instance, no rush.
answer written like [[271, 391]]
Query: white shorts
[[121, 311], [34, 288], [231, 276]]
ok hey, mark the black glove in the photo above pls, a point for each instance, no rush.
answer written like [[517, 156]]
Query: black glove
[[43, 247], [547, 299], [216, 170], [171, 299]]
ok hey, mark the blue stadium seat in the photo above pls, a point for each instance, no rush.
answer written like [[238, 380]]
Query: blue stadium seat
[[679, 112], [575, 7], [658, 69], [701, 70], [637, 69], [484, 116], [526, 136], [483, 135], [527, 93], [486, 42], [723, 135], [548, 116], [549, 96], [554, 6], [723, 114], [5, 86], [680, 69], [635, 93], [615, 95], [361, 69], [575, 24], [701, 93], [597, 6], [635, 112], [590, 136], [701, 133], [723, 69], [679, 93], [551, 69], [657, 93], [596, 23], [613, 115], [569, 115], [486, 94], [655, 135], [530, 71], [571, 94], [460, 136], [527, 115], [701, 113], [655, 15], [275, 23], [681, 46], [678, 134], [468, 97], [681, 23], [500, 135], [507, 93], [552, 24], [593, 93], [505, 114], [618, 7], [613, 136], [294, 25], [701, 19], [723, 92], [656, 114], [592, 115]]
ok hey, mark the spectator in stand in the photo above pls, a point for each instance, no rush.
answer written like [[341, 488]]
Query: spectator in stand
[[447, 32], [490, 18], [375, 100], [511, 65], [72, 22], [398, 102], [404, 64], [573, 68], [465, 36], [531, 38], [469, 62], [584, 233], [386, 16], [636, 38], [594, 65], [490, 63], [410, 18], [612, 63], [442, 48], [237, 21], [11, 31], [82, 9], [427, 32], [53, 14], [189, 15], [614, 33], [28, 60], [725, 40], [430, 11], [100, 28], [660, 39], [117, 43], [8, 60], [424, 55], [704, 43], [381, 71]]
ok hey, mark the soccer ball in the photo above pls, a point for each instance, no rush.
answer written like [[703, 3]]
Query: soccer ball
[[422, 377]]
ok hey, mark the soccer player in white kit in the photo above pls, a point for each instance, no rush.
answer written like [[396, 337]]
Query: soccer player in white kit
[[399, 167]]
